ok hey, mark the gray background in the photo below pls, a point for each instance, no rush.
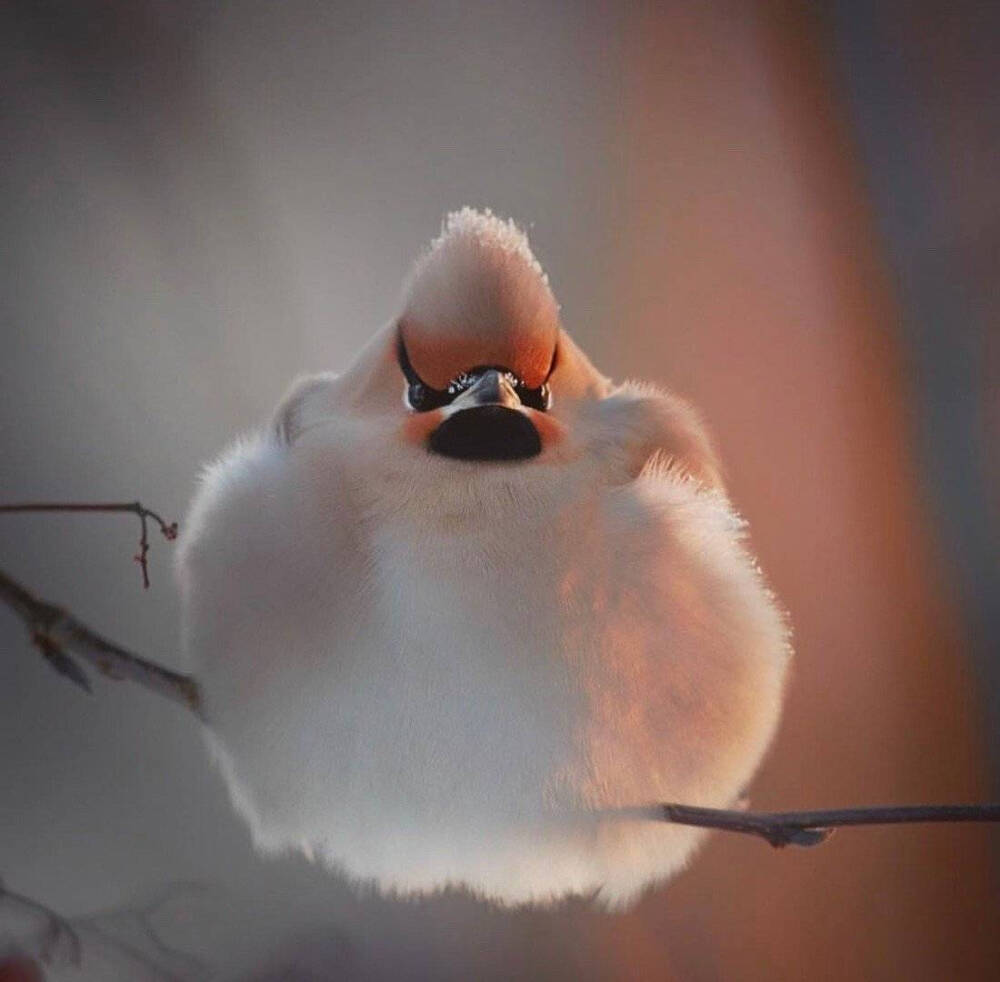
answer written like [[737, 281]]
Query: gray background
[[202, 200]]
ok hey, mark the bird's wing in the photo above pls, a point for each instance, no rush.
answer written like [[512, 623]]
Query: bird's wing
[[269, 562], [308, 401], [641, 426]]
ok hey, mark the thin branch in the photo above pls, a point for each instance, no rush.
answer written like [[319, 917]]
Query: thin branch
[[57, 929], [813, 827], [127, 933], [107, 926], [168, 529], [56, 632]]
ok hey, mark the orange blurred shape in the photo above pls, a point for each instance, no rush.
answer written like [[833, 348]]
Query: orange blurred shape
[[20, 968]]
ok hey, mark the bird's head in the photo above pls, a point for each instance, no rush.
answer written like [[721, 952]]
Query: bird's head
[[478, 344], [476, 367]]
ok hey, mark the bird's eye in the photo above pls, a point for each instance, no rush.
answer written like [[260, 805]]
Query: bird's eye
[[416, 395], [420, 397], [539, 398]]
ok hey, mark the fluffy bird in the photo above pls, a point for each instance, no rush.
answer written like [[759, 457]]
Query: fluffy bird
[[459, 612]]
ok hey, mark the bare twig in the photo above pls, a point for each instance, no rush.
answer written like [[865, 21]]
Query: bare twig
[[34, 932], [55, 632], [109, 926], [813, 827], [57, 929], [169, 529]]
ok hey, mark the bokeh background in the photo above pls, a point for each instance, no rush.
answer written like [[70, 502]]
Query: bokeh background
[[789, 213]]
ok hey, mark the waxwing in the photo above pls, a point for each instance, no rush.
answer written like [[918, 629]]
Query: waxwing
[[461, 611]]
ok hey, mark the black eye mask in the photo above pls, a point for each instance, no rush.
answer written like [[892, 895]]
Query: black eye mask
[[422, 398]]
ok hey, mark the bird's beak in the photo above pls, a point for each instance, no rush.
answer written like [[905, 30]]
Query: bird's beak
[[492, 389], [487, 422]]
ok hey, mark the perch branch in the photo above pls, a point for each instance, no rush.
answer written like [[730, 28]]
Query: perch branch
[[169, 529], [57, 929], [127, 932], [55, 632], [813, 827]]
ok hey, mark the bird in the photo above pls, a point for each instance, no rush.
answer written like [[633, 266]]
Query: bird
[[462, 612]]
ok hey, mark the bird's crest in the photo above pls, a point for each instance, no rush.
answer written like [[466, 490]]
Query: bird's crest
[[478, 296]]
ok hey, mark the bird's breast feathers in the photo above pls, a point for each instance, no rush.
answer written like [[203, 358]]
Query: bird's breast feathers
[[433, 672]]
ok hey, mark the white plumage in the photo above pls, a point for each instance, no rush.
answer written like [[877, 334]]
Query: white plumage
[[428, 671]]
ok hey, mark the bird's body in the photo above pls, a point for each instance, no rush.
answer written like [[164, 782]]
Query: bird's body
[[429, 671]]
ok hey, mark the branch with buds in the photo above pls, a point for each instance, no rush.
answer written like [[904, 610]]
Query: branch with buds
[[56, 632], [168, 529]]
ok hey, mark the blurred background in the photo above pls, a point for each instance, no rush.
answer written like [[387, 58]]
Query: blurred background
[[789, 213]]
